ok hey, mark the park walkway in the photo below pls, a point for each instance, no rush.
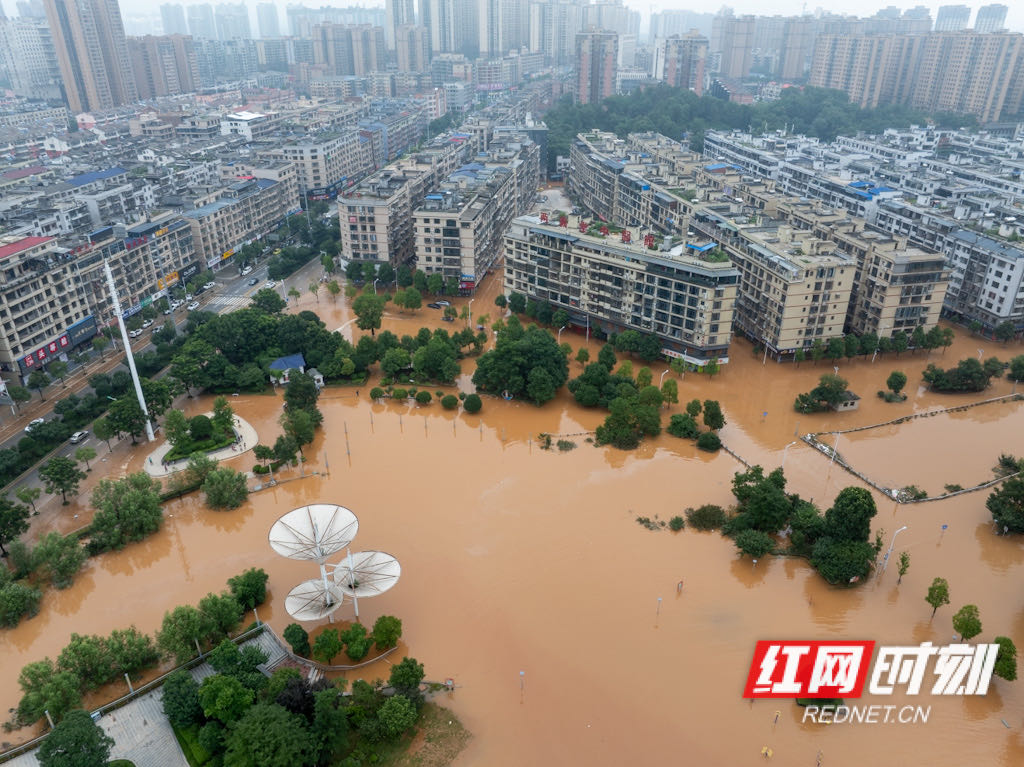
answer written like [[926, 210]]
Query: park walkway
[[140, 730], [248, 439]]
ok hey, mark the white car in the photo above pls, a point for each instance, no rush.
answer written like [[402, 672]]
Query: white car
[[209, 286], [246, 270], [147, 323], [168, 310], [193, 306], [78, 436], [270, 284], [175, 304], [135, 333], [34, 423]]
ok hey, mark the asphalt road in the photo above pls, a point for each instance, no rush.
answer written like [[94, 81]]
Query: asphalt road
[[231, 292]]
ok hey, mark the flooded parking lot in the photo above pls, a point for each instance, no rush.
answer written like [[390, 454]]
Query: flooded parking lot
[[526, 578]]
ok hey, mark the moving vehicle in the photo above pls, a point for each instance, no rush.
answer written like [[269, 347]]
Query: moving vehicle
[[193, 306], [34, 423], [254, 281], [246, 270], [271, 284], [434, 306], [78, 436]]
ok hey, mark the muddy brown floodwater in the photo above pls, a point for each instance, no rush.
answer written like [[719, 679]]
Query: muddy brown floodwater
[[515, 560]]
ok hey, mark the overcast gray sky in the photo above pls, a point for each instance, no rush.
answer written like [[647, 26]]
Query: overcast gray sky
[[1014, 19]]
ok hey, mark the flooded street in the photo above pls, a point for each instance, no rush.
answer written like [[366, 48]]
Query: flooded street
[[515, 559]]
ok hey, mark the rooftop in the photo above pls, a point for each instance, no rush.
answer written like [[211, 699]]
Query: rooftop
[[21, 245]]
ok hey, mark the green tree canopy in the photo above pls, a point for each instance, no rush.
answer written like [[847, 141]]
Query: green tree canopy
[[77, 741], [268, 736]]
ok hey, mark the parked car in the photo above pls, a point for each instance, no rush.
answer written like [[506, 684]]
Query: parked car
[[271, 284], [135, 333], [446, 318], [193, 306], [147, 323], [168, 310], [254, 281], [246, 270], [434, 306], [189, 296], [78, 436], [444, 303], [209, 286], [34, 423]]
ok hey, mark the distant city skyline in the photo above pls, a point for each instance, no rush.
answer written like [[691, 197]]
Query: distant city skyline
[[1014, 18]]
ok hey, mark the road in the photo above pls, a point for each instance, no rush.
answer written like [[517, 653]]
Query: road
[[231, 292]]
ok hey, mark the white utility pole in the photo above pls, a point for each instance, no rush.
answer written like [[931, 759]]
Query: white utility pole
[[128, 348]]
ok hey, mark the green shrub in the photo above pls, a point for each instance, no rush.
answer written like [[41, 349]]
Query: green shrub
[[472, 403], [676, 523], [709, 441], [423, 398], [449, 402], [706, 517], [16, 601], [399, 394], [376, 392], [565, 445], [683, 426], [200, 427]]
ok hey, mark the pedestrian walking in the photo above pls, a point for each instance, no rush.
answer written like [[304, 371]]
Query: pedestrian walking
[[679, 587]]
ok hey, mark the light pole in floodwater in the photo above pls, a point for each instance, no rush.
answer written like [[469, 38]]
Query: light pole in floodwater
[[662, 379], [885, 560], [560, 334], [787, 447]]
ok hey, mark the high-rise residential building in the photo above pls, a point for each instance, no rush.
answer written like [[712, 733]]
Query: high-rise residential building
[[31, 9], [679, 61], [597, 56], [611, 14], [504, 26], [452, 25], [349, 50], [552, 29], [200, 21], [674, 22], [952, 18], [963, 72], [164, 65], [88, 37], [736, 45], [412, 48], [232, 21], [266, 14], [397, 13], [172, 15], [28, 57], [990, 18]]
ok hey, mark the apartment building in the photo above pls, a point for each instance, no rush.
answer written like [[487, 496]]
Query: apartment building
[[597, 57], [244, 211], [611, 282], [964, 72], [37, 312], [327, 162], [680, 61], [459, 225], [163, 65], [376, 214]]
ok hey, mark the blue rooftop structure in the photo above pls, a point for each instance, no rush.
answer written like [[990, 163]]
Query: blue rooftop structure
[[95, 175], [290, 362]]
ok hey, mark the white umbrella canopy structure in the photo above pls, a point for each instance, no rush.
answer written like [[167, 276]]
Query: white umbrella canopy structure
[[313, 532], [311, 600]]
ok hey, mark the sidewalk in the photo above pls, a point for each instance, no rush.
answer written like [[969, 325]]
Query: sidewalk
[[247, 435]]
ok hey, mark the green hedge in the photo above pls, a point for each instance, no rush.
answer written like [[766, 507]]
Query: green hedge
[[188, 739], [202, 446]]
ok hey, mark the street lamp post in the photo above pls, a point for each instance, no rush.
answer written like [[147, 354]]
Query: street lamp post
[[787, 447], [835, 449], [560, 333], [471, 311], [375, 286], [662, 379], [885, 560]]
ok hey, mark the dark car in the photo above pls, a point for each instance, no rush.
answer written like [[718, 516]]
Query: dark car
[[254, 281], [446, 318], [433, 306]]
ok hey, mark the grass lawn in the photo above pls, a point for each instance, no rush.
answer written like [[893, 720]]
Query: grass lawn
[[438, 739]]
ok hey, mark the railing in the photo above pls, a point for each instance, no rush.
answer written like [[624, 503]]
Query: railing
[[24, 748]]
